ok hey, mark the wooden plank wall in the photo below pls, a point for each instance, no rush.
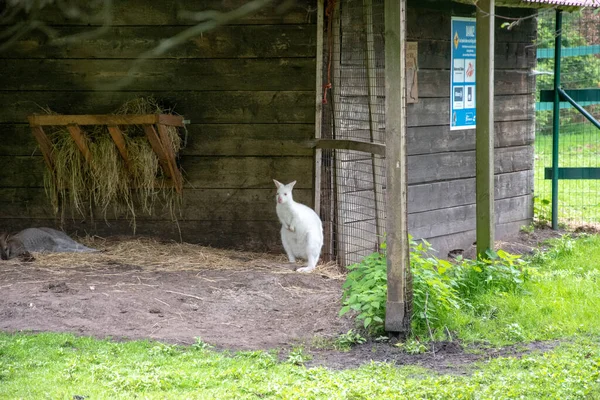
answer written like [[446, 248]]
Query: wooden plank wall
[[441, 165], [248, 90]]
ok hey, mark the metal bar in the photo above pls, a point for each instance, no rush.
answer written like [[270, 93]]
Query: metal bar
[[564, 96], [398, 307], [484, 132], [573, 173], [570, 51], [556, 117], [578, 95]]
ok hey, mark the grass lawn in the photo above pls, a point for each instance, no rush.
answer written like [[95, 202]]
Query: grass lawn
[[579, 200], [561, 302]]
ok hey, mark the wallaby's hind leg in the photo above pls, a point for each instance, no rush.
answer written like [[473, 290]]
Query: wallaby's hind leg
[[313, 251], [286, 245]]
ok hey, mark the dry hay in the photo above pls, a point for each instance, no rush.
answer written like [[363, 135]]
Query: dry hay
[[150, 254], [106, 185]]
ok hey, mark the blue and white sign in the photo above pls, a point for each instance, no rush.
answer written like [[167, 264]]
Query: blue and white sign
[[462, 76]]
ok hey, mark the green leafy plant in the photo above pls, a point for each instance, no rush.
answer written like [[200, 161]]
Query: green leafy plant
[[542, 211], [297, 356], [345, 341], [412, 346], [365, 291], [439, 286], [201, 344]]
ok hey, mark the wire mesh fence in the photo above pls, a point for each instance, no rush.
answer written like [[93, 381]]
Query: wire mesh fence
[[352, 181], [579, 140]]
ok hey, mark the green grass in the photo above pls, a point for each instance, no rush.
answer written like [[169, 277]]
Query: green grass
[[561, 302], [60, 366], [579, 200]]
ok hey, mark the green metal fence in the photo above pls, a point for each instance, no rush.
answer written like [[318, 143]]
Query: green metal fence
[[574, 177]]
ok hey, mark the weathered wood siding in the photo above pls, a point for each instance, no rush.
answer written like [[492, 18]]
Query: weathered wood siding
[[442, 162], [247, 88]]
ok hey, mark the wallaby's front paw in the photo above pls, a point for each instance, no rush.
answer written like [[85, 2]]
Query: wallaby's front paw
[[305, 269]]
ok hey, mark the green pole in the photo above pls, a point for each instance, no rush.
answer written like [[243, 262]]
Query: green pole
[[556, 117]]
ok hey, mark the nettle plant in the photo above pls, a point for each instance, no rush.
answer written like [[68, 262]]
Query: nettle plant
[[439, 286]]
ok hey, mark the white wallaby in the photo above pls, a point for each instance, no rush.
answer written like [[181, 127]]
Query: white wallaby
[[301, 228]]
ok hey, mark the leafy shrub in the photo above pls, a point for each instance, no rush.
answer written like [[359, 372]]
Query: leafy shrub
[[439, 286]]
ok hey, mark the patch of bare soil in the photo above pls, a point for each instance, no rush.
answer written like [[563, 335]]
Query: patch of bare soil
[[143, 289], [441, 357]]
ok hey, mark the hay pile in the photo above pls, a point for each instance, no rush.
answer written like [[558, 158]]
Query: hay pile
[[151, 254], [105, 186]]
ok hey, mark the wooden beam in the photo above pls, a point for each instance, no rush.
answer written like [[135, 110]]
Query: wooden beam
[[133, 119], [347, 144], [170, 154], [397, 317], [484, 133], [318, 106], [117, 137], [45, 145], [80, 141]]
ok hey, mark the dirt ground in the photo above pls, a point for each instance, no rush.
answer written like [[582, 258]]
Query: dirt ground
[[143, 289]]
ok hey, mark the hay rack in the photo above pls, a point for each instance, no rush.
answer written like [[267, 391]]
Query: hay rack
[[154, 127]]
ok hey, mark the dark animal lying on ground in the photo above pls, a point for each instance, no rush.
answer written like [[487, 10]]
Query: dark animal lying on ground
[[38, 240]]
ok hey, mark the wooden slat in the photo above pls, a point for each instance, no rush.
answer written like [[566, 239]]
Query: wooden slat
[[159, 150], [117, 137], [140, 12], [80, 141], [166, 145], [45, 145], [447, 221], [458, 192], [158, 75], [197, 205], [128, 42], [209, 107], [220, 234], [201, 172], [291, 139], [133, 119]]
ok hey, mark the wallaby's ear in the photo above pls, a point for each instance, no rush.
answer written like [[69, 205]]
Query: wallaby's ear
[[291, 184], [277, 183]]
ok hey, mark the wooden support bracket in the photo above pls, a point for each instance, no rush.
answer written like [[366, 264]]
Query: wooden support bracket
[[80, 141], [45, 145], [117, 137]]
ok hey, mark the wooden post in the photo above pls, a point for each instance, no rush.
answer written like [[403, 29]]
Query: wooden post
[[397, 318], [376, 162], [484, 133], [319, 106]]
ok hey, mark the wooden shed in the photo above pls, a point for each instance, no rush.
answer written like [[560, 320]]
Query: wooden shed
[[252, 93]]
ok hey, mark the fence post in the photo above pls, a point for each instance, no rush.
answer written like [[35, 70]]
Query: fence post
[[556, 117], [397, 318], [484, 132]]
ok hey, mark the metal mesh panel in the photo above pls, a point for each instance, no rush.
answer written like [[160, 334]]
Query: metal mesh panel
[[579, 141], [353, 182]]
